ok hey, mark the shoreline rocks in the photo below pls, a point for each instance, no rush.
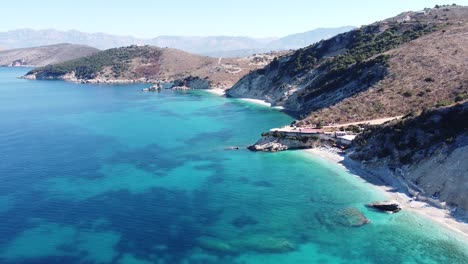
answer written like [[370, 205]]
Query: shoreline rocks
[[386, 206], [279, 141]]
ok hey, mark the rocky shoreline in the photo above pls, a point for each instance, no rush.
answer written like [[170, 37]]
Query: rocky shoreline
[[274, 141], [191, 82], [392, 181]]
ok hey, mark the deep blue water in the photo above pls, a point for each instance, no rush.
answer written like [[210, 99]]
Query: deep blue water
[[108, 174]]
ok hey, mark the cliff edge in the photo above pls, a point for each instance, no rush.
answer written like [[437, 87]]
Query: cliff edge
[[427, 153]]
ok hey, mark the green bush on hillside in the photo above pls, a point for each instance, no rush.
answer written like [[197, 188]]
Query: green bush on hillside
[[87, 68]]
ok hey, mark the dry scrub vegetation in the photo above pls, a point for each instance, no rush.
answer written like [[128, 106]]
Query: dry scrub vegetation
[[429, 71]]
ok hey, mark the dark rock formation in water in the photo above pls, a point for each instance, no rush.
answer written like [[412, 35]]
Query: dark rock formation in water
[[215, 245], [347, 217], [391, 206], [244, 220], [351, 217], [264, 244], [263, 184]]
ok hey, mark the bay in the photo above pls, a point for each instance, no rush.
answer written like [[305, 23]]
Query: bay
[[109, 174]]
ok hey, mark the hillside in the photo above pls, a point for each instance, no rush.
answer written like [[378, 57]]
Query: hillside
[[44, 55], [406, 63], [300, 40], [219, 46], [152, 64], [427, 152]]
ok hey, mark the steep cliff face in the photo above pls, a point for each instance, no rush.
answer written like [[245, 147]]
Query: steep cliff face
[[428, 152], [359, 75], [284, 76]]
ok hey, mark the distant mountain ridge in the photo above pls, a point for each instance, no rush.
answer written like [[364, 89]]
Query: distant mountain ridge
[[209, 45], [44, 55], [300, 40]]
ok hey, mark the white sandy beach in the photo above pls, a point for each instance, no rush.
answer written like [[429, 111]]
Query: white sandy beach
[[217, 91], [222, 92], [260, 102], [440, 216], [256, 101]]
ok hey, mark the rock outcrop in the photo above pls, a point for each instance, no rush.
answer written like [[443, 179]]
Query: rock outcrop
[[387, 206], [279, 141]]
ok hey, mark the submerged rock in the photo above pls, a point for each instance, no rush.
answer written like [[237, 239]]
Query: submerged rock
[[347, 217], [263, 184], [215, 245], [352, 217], [387, 206], [265, 244], [232, 148], [244, 220]]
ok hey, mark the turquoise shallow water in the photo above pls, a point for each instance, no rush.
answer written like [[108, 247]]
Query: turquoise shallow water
[[108, 174]]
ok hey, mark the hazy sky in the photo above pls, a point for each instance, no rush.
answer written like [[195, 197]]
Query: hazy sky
[[146, 18]]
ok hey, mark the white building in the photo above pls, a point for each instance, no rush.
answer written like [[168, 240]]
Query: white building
[[346, 139]]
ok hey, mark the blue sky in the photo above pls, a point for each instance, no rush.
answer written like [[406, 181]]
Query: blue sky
[[145, 18]]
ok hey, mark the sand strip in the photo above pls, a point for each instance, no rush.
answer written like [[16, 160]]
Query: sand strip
[[217, 91], [260, 102]]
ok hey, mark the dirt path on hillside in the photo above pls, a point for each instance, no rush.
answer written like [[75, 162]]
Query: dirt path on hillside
[[377, 121]]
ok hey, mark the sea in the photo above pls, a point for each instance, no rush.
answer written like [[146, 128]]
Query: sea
[[110, 174]]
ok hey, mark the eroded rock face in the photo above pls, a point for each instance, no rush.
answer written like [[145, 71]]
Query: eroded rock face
[[278, 141], [193, 83], [269, 144], [18, 63]]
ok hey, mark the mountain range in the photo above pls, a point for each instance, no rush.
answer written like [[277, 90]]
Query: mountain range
[[225, 46], [44, 55]]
